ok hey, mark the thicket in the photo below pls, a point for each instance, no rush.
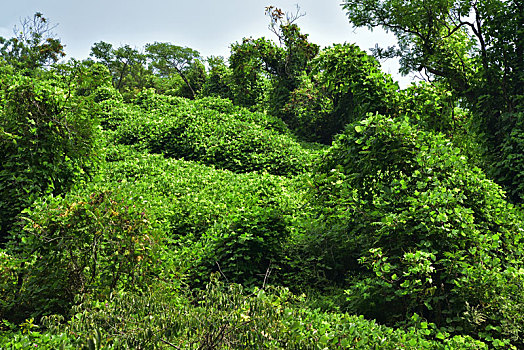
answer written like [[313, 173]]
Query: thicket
[[214, 134], [148, 203], [48, 136], [412, 227], [222, 316]]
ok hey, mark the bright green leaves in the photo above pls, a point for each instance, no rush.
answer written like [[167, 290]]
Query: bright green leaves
[[216, 134], [227, 316], [126, 65], [343, 85], [431, 35], [473, 48], [427, 218], [48, 139]]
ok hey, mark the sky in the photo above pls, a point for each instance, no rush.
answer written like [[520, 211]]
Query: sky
[[208, 26]]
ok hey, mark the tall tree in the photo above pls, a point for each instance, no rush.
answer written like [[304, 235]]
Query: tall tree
[[34, 45], [474, 46], [122, 62], [168, 59], [283, 64]]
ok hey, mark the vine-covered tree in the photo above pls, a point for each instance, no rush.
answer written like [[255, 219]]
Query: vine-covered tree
[[476, 47], [256, 59]]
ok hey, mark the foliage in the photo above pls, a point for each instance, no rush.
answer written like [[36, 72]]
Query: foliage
[[249, 80], [218, 83], [344, 84], [114, 230], [432, 35], [48, 139], [92, 242], [237, 142], [8, 281], [126, 65], [476, 49], [215, 219], [431, 107], [29, 335], [255, 61], [168, 59], [33, 46], [227, 316], [506, 165], [417, 229]]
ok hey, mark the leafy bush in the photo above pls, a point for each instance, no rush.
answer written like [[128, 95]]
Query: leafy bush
[[241, 141], [93, 241], [225, 316], [219, 80], [29, 335], [344, 84], [9, 269], [417, 229], [431, 107], [48, 139]]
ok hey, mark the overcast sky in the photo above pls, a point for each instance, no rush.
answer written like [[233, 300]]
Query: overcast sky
[[209, 26]]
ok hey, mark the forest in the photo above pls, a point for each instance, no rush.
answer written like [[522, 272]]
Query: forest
[[290, 196]]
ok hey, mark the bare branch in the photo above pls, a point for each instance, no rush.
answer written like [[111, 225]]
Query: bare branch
[[220, 270]]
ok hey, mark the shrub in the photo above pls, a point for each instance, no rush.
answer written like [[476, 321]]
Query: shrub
[[93, 241], [228, 316], [240, 142], [345, 83], [48, 140], [504, 161], [417, 229], [431, 107]]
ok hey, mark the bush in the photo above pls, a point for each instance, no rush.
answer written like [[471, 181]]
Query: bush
[[505, 160], [417, 229], [345, 83], [240, 142], [228, 316], [48, 140], [431, 107], [93, 241]]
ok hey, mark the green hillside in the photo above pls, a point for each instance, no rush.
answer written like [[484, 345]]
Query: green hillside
[[291, 197]]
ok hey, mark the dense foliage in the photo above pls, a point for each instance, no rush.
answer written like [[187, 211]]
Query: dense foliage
[[418, 229], [48, 137], [290, 197], [476, 49], [236, 140]]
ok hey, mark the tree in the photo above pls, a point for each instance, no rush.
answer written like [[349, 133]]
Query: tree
[[476, 47], [432, 35], [343, 85], [168, 59], [283, 64], [48, 137], [415, 228], [218, 82], [126, 64], [34, 44]]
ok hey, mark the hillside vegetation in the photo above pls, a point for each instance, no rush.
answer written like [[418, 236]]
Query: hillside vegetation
[[292, 197]]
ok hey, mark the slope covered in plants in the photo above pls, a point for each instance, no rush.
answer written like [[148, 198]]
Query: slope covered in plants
[[150, 201]]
